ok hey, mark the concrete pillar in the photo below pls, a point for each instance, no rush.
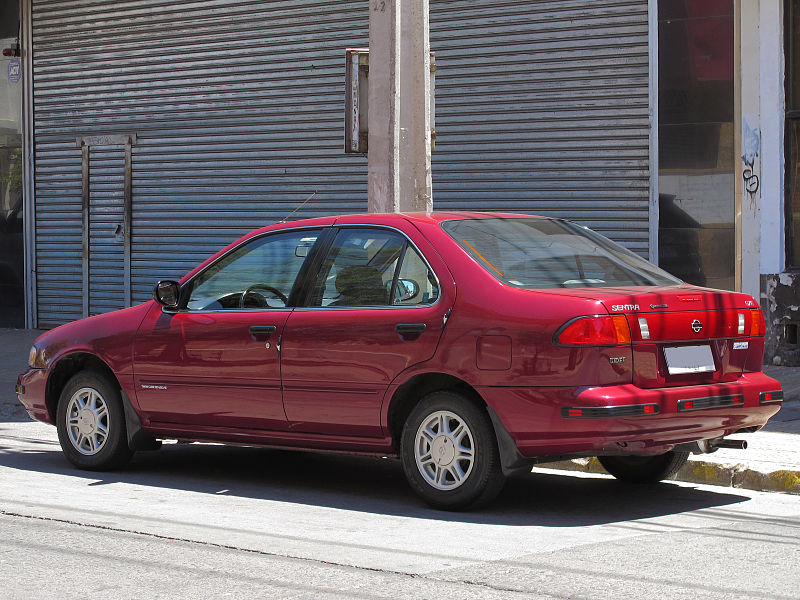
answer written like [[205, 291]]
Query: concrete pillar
[[415, 108], [399, 158]]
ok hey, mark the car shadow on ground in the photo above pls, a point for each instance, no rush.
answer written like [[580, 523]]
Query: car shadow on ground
[[13, 412], [375, 485]]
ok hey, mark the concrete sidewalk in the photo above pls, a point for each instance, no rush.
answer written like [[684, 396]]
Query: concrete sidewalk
[[770, 463]]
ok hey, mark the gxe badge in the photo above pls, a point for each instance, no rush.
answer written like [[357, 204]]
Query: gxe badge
[[696, 326]]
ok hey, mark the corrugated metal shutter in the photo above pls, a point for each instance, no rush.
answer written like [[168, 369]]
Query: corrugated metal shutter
[[237, 107], [238, 112], [542, 107]]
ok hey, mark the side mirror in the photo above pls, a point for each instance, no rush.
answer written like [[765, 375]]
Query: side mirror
[[167, 294]]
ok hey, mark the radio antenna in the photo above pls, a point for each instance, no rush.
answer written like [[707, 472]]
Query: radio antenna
[[286, 218]]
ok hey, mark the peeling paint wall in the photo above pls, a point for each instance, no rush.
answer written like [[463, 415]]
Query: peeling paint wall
[[780, 301]]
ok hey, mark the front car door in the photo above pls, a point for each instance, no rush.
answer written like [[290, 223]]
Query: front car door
[[216, 361], [374, 309]]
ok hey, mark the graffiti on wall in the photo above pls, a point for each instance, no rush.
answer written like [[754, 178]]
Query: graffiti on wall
[[751, 145]]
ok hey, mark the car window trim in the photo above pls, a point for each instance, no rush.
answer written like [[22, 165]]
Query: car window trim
[[335, 231], [307, 275], [397, 268], [186, 287]]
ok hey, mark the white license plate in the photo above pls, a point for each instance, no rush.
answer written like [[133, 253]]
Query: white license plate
[[689, 359]]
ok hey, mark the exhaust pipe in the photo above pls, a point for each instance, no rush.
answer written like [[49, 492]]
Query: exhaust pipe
[[732, 444], [712, 445]]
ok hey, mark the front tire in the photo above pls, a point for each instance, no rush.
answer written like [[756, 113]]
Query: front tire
[[91, 423], [644, 469], [449, 452]]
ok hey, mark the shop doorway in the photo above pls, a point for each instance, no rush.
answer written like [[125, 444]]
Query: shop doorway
[[12, 248]]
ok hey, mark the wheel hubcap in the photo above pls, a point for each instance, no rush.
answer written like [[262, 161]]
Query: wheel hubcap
[[87, 421], [444, 450]]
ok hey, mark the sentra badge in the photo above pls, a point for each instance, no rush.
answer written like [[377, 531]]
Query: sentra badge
[[617, 307]]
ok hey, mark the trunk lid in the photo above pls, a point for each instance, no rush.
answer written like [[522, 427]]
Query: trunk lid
[[685, 335]]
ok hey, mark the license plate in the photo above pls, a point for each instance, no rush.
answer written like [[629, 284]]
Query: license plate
[[689, 359]]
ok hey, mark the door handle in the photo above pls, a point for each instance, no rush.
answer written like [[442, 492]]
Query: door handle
[[409, 330], [262, 332]]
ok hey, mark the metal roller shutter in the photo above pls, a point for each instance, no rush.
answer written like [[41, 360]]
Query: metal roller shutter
[[237, 109], [542, 107]]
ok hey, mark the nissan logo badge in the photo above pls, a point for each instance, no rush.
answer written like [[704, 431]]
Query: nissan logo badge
[[696, 326]]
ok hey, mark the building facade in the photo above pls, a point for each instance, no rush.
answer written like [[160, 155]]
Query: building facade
[[146, 135]]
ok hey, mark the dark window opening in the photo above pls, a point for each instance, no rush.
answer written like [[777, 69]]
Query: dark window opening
[[790, 333], [792, 205], [696, 170], [12, 249]]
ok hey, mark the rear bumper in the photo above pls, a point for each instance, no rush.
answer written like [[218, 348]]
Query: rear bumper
[[626, 419]]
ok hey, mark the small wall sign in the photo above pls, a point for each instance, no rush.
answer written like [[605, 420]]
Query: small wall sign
[[14, 70]]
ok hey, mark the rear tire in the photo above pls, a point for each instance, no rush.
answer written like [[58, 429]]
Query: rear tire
[[644, 469], [91, 423], [449, 452]]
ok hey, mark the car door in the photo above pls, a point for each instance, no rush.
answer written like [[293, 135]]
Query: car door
[[374, 309], [216, 361]]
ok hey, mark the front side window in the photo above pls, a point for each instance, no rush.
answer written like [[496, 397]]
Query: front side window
[[549, 253], [373, 267], [258, 274]]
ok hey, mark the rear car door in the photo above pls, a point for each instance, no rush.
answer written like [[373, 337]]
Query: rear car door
[[374, 309], [216, 362]]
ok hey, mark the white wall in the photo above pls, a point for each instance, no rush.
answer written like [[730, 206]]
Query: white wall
[[771, 87]]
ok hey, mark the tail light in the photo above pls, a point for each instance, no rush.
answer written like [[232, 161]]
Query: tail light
[[748, 322], [597, 330], [757, 325]]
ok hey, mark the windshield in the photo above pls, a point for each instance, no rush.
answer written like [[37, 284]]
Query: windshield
[[551, 253]]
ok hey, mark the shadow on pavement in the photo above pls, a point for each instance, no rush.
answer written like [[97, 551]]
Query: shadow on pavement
[[374, 485], [13, 413], [787, 419]]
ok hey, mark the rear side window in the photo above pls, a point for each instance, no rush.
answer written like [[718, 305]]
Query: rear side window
[[373, 267], [550, 253]]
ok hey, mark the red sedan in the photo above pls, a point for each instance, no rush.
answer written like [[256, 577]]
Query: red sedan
[[470, 345]]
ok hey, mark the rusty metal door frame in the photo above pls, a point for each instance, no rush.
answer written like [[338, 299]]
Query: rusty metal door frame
[[126, 140]]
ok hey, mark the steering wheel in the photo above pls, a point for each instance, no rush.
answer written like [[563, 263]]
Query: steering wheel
[[262, 303]]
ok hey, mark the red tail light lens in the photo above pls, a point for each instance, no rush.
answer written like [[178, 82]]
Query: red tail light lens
[[757, 325], [604, 330]]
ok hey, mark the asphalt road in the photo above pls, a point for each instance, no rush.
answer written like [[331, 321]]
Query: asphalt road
[[205, 521]]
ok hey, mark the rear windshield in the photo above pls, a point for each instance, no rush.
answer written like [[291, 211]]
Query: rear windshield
[[550, 253]]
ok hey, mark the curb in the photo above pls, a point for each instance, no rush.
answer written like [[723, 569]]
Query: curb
[[704, 472]]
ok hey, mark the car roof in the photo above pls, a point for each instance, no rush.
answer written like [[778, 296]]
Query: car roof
[[388, 218], [429, 217], [438, 217]]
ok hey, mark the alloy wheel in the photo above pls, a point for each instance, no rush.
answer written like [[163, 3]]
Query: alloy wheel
[[444, 450], [87, 421]]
